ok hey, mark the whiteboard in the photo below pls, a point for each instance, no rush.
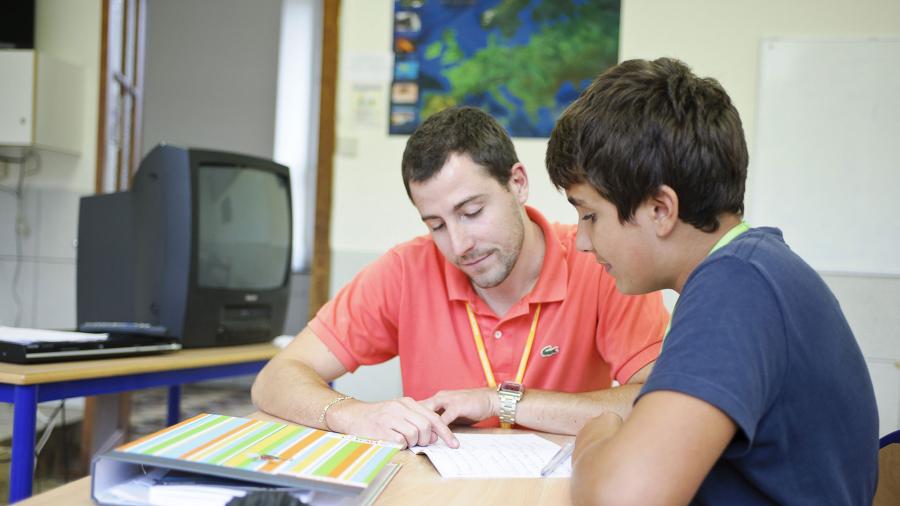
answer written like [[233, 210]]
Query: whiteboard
[[826, 165]]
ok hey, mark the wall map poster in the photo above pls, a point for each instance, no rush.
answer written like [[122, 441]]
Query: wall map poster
[[523, 61]]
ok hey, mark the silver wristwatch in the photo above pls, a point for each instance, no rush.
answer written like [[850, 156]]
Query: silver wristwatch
[[510, 394]]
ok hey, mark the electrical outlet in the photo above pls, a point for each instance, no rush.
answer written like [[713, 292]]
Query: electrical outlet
[[22, 228]]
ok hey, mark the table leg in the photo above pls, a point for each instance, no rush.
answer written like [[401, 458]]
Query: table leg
[[174, 405], [21, 469]]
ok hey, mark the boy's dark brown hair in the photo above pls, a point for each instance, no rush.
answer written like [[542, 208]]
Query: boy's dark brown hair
[[643, 124], [460, 130]]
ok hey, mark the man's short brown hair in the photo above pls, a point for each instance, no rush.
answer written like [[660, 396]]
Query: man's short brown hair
[[458, 130]]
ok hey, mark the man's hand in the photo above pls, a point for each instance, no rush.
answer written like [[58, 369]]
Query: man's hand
[[402, 421], [464, 407]]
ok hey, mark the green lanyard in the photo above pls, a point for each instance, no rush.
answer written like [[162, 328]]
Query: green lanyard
[[729, 236]]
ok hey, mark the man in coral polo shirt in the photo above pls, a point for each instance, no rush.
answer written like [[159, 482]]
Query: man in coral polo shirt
[[494, 314]]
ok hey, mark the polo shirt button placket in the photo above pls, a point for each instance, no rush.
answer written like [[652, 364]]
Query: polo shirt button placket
[[498, 334]]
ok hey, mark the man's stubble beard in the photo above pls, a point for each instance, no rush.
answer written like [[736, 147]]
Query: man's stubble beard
[[506, 260]]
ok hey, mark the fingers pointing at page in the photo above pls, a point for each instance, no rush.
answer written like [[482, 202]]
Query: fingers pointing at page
[[402, 420]]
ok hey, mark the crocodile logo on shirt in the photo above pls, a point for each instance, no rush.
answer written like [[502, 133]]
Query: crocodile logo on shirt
[[549, 350]]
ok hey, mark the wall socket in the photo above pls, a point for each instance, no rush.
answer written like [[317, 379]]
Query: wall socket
[[22, 227]]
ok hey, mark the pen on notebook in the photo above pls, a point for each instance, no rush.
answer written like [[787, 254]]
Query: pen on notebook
[[560, 457]]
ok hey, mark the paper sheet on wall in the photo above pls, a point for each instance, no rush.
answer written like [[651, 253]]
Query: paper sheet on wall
[[367, 74], [495, 456]]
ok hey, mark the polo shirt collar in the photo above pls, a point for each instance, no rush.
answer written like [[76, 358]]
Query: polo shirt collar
[[552, 282]]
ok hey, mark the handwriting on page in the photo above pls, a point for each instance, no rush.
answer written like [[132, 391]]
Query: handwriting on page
[[494, 456]]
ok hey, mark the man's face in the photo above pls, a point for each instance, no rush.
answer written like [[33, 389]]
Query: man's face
[[476, 223], [624, 249]]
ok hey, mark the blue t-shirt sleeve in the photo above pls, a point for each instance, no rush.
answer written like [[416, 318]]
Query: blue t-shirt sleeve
[[727, 344]]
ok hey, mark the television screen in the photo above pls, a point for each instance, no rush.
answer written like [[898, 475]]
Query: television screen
[[244, 229]]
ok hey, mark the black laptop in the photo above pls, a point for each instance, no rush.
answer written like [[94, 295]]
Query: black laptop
[[31, 346]]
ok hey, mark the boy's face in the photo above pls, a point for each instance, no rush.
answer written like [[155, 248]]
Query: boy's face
[[624, 249], [476, 223]]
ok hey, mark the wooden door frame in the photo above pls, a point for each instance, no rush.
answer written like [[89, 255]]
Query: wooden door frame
[[321, 263], [97, 430], [131, 86]]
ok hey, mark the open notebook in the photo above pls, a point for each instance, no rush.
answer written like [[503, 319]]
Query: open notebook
[[27, 346]]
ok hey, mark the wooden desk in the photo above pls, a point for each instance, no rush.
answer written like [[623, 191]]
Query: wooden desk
[[417, 483], [26, 385]]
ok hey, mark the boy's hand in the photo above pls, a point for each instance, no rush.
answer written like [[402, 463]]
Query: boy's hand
[[596, 431]]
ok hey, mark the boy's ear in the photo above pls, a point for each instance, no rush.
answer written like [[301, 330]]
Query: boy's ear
[[664, 206]]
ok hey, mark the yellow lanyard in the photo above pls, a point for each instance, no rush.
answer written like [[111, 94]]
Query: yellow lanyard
[[482, 354]]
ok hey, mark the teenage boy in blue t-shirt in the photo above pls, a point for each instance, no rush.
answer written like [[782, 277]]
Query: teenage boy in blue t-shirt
[[760, 394]]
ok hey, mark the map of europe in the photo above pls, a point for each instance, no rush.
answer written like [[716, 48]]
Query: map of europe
[[523, 61]]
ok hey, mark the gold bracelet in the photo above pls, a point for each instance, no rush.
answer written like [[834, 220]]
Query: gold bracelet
[[324, 412]]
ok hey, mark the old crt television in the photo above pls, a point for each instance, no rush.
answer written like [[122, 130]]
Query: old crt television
[[199, 249]]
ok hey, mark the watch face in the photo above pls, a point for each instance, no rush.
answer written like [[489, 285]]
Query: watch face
[[509, 386]]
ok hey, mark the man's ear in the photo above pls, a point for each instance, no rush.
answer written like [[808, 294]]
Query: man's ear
[[518, 182], [664, 208]]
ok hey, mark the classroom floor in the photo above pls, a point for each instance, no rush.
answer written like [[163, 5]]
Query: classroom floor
[[58, 462]]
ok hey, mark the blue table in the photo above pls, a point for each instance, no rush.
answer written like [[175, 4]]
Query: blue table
[[26, 385]]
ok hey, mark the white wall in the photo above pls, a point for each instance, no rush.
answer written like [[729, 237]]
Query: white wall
[[211, 74], [68, 30], [717, 38]]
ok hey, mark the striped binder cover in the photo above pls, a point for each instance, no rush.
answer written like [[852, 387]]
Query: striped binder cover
[[263, 452]]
